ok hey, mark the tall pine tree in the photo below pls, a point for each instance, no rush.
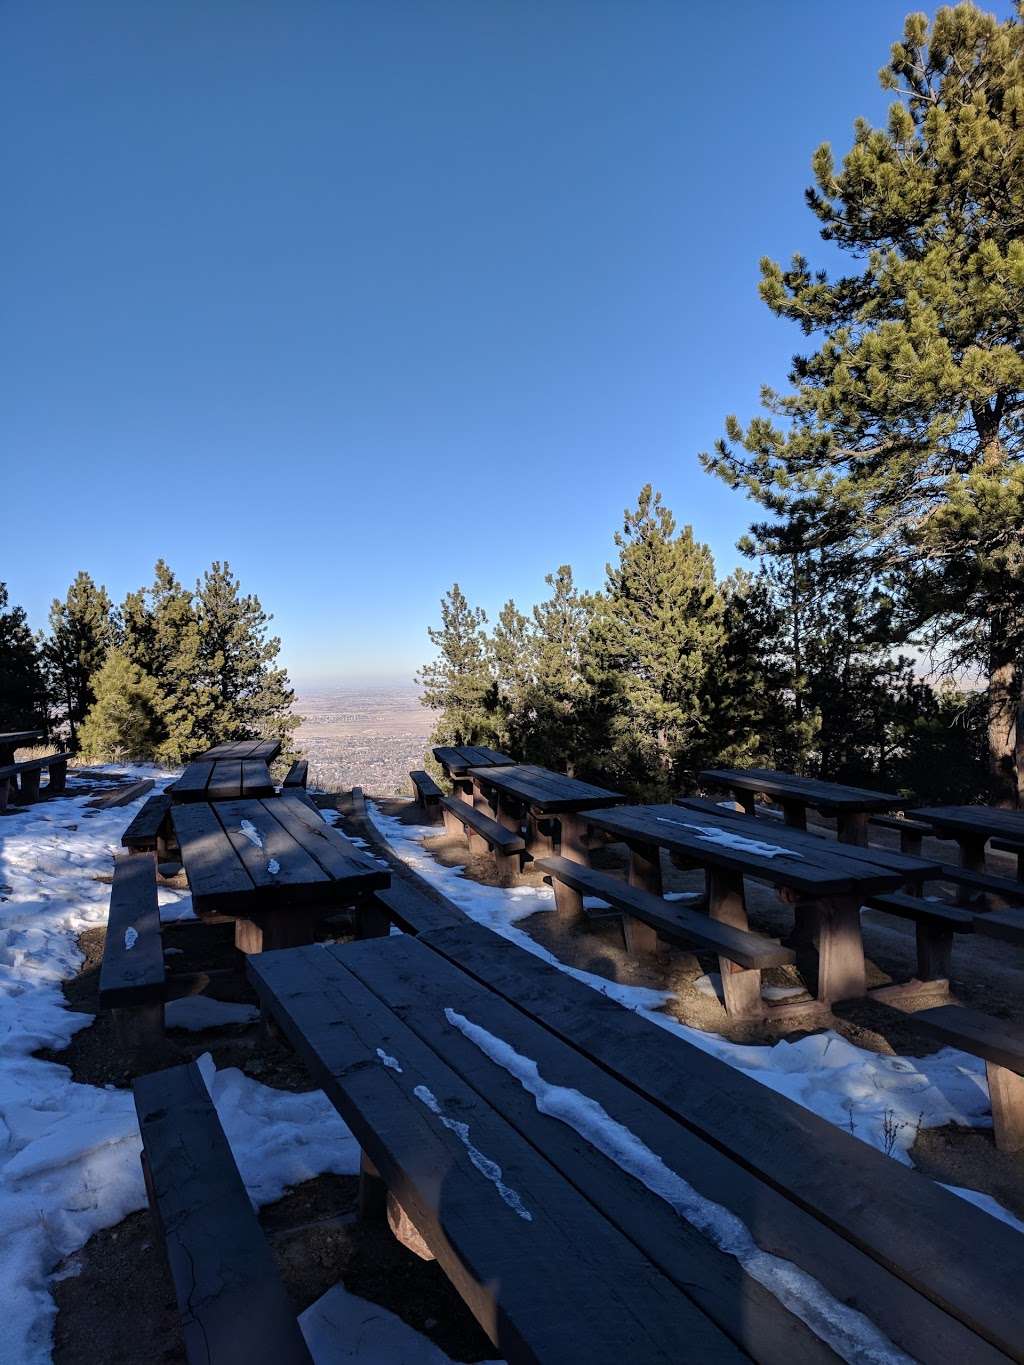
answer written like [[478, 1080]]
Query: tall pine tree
[[458, 682], [23, 698], [658, 635], [900, 442], [82, 629], [122, 722]]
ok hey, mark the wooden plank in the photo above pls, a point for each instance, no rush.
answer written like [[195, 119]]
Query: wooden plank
[[425, 784], [132, 971], [338, 856], [298, 774], [147, 822], [981, 881], [558, 1284], [256, 780], [506, 840], [277, 863], [996, 1040], [413, 910], [1005, 924], [192, 784], [225, 781], [954, 1254], [670, 919], [982, 820], [233, 1304], [821, 872], [216, 875], [121, 796], [812, 791], [543, 795], [924, 912], [421, 987]]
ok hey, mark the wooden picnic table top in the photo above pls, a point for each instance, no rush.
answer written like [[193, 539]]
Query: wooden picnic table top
[[245, 857], [825, 796], [17, 737], [545, 791], [515, 1113], [457, 759], [223, 780], [988, 822], [777, 854], [265, 749]]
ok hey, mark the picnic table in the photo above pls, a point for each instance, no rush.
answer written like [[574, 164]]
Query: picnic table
[[826, 882], [223, 779], [264, 749], [456, 761], [589, 1182], [12, 740], [272, 866], [850, 805], [972, 827], [544, 795]]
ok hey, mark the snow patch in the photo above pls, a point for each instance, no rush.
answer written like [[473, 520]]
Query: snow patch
[[487, 1168], [131, 937], [728, 839], [251, 833], [390, 1062], [342, 1329], [273, 867], [198, 1012]]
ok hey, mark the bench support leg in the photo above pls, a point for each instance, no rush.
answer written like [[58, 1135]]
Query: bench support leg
[[5, 789], [972, 853], [794, 814], [373, 1192], [139, 1026], [58, 779], [29, 787], [934, 952], [645, 868], [1006, 1091], [841, 972], [568, 903], [740, 986], [372, 920], [508, 867], [910, 842], [852, 828]]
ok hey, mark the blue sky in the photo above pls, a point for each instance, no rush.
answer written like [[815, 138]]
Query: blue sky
[[368, 297]]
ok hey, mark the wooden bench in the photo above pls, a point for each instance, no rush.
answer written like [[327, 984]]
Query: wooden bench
[[935, 924], [911, 832], [506, 845], [132, 973], [298, 774], [150, 827], [233, 1304], [1001, 1045], [405, 905], [646, 918], [121, 796], [984, 882], [1015, 846], [20, 782], [428, 794]]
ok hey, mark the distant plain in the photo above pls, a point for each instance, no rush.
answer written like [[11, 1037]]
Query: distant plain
[[357, 734]]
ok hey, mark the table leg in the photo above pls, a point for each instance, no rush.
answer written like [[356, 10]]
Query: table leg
[[462, 788], [852, 827], [1006, 1091], [746, 800], [841, 971], [539, 843], [740, 986], [574, 838], [972, 852], [794, 814], [484, 799], [373, 1192], [509, 813], [292, 928], [645, 873]]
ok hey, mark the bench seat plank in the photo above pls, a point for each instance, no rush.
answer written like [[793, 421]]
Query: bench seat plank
[[996, 1040], [413, 910], [558, 1285], [298, 774], [132, 971], [956, 1255], [1005, 924], [425, 784], [233, 1304], [981, 881], [677, 922], [192, 784], [147, 823], [505, 840], [924, 911]]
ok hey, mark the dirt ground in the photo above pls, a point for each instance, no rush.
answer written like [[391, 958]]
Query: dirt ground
[[314, 1232]]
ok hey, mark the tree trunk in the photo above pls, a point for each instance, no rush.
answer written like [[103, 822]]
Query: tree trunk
[[1004, 701]]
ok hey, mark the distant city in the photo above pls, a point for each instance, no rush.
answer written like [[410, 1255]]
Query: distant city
[[362, 735]]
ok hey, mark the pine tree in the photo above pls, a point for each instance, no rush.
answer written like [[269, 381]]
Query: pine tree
[[82, 629], [23, 698], [458, 683], [511, 652], [901, 439], [122, 723], [160, 634], [562, 712], [658, 635], [239, 689]]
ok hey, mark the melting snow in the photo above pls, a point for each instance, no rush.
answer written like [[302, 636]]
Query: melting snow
[[251, 833], [197, 1012], [273, 867], [488, 1168], [853, 1336], [388, 1060], [714, 835], [131, 937]]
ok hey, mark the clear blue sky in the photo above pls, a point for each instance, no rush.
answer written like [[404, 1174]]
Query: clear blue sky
[[368, 297]]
